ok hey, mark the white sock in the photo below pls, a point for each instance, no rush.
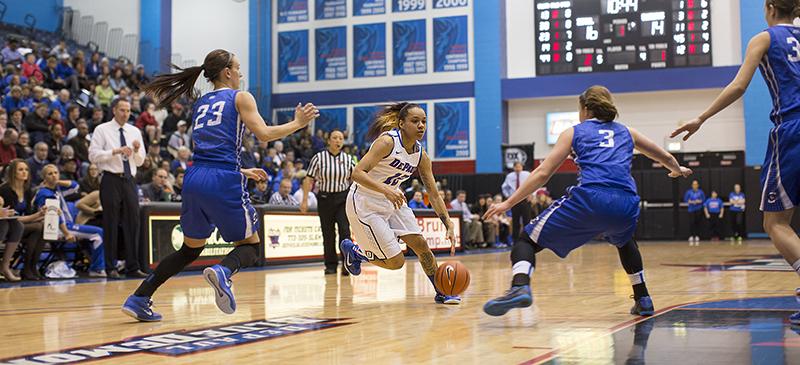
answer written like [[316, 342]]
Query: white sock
[[637, 278], [796, 266], [523, 267]]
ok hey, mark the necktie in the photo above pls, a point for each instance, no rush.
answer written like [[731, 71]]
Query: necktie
[[126, 165], [517, 180]]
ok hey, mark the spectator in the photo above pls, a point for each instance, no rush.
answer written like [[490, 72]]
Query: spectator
[[11, 233], [154, 153], [448, 197], [103, 93], [67, 164], [738, 204], [286, 172], [30, 69], [416, 202], [63, 102], [13, 100], [541, 202], [52, 80], [60, 50], [248, 155], [179, 138], [283, 196], [413, 188], [97, 119], [148, 124], [520, 213], [55, 143], [38, 97], [17, 195], [177, 187], [89, 210], [11, 54], [80, 143], [695, 197], [65, 72], [490, 226], [260, 194], [55, 119], [23, 145], [38, 161], [140, 77], [312, 202], [8, 148], [318, 141], [280, 156], [176, 115], [93, 67], [16, 120], [117, 82], [472, 228], [503, 223], [158, 190], [145, 172], [73, 115], [714, 210], [27, 98], [182, 160], [90, 182]]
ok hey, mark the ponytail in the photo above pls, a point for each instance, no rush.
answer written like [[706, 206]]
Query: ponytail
[[389, 118], [167, 88], [786, 8], [597, 100]]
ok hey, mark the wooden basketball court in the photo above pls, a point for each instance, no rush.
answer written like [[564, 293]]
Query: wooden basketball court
[[296, 315]]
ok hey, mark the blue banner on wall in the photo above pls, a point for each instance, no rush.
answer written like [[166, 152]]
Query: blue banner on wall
[[369, 50], [424, 140], [329, 9], [330, 119], [291, 11], [410, 55], [283, 116], [293, 56], [369, 7], [452, 129], [443, 4], [399, 6], [362, 118], [450, 44], [331, 53]]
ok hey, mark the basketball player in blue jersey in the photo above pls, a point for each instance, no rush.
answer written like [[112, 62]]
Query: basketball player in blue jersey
[[376, 208], [604, 202], [776, 51], [215, 187]]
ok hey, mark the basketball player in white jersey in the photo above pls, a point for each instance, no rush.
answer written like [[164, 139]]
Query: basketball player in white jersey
[[376, 208]]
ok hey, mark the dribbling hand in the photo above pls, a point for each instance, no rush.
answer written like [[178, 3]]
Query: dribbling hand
[[451, 236], [304, 114], [395, 197], [685, 172], [690, 128], [255, 174], [495, 210]]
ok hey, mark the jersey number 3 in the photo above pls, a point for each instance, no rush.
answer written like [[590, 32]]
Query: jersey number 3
[[794, 55], [216, 111], [608, 138]]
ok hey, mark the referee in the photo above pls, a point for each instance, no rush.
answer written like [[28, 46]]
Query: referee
[[331, 169]]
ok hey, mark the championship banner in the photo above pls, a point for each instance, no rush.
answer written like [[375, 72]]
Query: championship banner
[[410, 48], [283, 116], [369, 50], [452, 129], [362, 118], [331, 46], [293, 56], [443, 4], [450, 44], [330, 119], [522, 153], [166, 237], [292, 11], [330, 9], [369, 7], [399, 6], [424, 140]]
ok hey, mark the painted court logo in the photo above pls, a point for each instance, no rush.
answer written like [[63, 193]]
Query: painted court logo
[[762, 263], [184, 342]]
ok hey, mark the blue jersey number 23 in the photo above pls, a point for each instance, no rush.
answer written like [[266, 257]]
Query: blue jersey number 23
[[216, 112]]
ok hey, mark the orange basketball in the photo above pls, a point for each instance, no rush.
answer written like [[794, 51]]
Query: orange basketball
[[452, 278]]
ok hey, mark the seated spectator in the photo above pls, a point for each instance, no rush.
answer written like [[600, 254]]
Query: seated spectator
[[541, 202], [89, 209], [416, 202], [280, 156], [80, 143], [63, 102], [36, 124], [30, 69], [144, 173], [37, 162], [23, 146], [60, 50], [72, 117], [177, 187], [116, 81], [97, 119], [490, 226], [179, 138], [65, 72], [54, 188], [154, 152], [286, 172], [260, 193], [56, 142], [17, 195], [8, 147], [15, 120], [158, 190], [93, 67], [148, 125], [503, 223], [312, 198], [472, 228], [13, 100], [55, 118], [39, 97], [448, 197], [27, 98], [248, 155], [51, 79], [317, 141], [283, 196], [10, 233], [182, 160], [175, 115], [67, 164], [103, 93], [11, 54], [91, 182], [140, 76]]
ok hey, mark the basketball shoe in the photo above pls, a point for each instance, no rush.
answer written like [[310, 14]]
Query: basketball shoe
[[140, 309], [516, 297], [218, 277], [643, 307]]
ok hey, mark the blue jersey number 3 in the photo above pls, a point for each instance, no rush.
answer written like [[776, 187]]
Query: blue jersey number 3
[[216, 111]]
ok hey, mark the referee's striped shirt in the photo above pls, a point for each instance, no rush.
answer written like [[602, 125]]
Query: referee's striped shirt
[[332, 172]]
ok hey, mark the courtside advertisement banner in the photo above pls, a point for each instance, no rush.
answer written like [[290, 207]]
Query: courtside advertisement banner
[[292, 11], [410, 47], [166, 237], [331, 46], [369, 50], [330, 119], [293, 56], [452, 129], [450, 44], [369, 7], [330, 9]]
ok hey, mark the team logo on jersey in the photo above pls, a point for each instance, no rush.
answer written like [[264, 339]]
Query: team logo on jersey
[[184, 342], [403, 166], [762, 263]]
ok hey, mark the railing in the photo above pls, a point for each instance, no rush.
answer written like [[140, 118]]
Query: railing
[[100, 35]]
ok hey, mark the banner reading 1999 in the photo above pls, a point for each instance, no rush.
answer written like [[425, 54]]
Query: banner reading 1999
[[369, 7], [452, 129], [331, 53], [410, 49], [399, 6], [293, 56], [329, 9], [291, 11], [369, 50], [450, 44]]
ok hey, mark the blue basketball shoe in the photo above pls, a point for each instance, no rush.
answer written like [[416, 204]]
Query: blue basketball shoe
[[352, 259], [516, 297], [643, 307], [140, 309], [447, 299], [219, 278]]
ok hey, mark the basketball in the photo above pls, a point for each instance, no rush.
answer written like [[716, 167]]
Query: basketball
[[452, 278]]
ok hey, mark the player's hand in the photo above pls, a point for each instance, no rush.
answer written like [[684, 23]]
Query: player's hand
[[255, 174], [451, 236], [304, 114], [395, 196], [496, 209], [303, 207], [685, 172], [136, 146], [690, 128], [70, 237]]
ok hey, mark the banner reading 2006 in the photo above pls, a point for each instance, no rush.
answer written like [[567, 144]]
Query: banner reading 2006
[[450, 44], [452, 129], [293, 56], [331, 53], [369, 50]]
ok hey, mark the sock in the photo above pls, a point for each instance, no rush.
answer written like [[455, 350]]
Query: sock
[[639, 287], [241, 257], [167, 268], [631, 260], [522, 273], [523, 259], [796, 267]]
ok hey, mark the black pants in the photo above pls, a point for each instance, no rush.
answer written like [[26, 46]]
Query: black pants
[[332, 212], [737, 224], [715, 225], [695, 223], [520, 216], [120, 209]]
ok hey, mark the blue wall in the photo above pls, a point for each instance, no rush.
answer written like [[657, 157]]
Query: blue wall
[[488, 74], [155, 40], [260, 72], [757, 101], [47, 13]]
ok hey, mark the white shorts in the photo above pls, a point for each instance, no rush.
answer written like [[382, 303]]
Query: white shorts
[[376, 225]]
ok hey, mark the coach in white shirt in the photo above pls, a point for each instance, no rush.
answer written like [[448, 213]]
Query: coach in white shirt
[[116, 149], [520, 213]]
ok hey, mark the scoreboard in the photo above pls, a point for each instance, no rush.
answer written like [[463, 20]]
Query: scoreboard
[[578, 36]]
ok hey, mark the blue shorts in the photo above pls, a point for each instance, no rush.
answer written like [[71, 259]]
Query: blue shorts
[[583, 214], [780, 175], [214, 197]]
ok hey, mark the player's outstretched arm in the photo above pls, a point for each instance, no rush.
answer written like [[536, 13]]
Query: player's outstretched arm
[[756, 49], [656, 153], [381, 148], [248, 111], [426, 173]]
